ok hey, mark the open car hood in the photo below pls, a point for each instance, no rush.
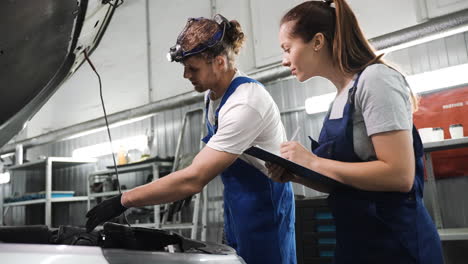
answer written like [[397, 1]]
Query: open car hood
[[115, 244], [42, 44]]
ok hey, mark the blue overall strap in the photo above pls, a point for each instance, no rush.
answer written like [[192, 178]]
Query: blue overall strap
[[231, 89], [352, 91], [350, 101], [343, 124], [209, 127], [213, 128]]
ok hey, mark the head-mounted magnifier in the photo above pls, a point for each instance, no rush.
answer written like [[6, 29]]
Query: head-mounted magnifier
[[177, 53]]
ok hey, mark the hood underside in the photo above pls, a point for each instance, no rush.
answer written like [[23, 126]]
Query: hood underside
[[41, 46]]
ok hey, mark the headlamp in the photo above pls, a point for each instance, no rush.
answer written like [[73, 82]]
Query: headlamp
[[177, 53]]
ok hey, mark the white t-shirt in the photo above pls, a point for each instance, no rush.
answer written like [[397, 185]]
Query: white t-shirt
[[249, 117], [382, 104]]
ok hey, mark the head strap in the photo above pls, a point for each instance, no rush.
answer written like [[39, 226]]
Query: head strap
[[177, 53]]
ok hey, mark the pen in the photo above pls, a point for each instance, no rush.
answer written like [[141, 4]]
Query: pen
[[295, 134]]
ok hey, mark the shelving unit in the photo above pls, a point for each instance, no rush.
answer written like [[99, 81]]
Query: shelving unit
[[198, 204], [196, 199], [153, 166], [48, 165], [429, 147]]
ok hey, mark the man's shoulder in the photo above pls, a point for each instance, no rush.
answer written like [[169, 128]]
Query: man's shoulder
[[251, 97]]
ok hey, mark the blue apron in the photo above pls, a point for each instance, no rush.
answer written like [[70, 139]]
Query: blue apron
[[258, 213], [376, 227]]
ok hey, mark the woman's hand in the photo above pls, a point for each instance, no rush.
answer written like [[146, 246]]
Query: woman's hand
[[295, 152], [278, 173]]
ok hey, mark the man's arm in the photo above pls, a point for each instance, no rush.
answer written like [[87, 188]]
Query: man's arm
[[180, 184]]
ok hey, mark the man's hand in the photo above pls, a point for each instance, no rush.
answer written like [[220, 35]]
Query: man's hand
[[104, 211], [278, 173]]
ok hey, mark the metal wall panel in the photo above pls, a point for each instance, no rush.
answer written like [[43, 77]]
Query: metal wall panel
[[433, 55], [456, 49], [438, 59]]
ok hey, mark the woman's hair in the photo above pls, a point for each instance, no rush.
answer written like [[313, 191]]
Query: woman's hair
[[351, 51], [201, 31]]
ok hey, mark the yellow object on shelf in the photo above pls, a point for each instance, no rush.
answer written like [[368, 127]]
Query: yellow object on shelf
[[122, 157]]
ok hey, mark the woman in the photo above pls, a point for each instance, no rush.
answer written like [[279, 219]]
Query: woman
[[258, 213], [368, 141]]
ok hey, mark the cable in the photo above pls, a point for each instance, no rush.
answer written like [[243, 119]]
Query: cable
[[107, 126], [105, 115]]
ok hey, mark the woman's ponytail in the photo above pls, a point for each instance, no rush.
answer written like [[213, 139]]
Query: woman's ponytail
[[351, 50]]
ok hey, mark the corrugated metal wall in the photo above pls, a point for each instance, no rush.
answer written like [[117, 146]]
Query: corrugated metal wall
[[289, 95], [433, 55]]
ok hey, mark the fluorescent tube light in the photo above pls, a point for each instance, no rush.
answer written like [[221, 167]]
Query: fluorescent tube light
[[419, 83], [7, 155], [4, 177], [117, 124], [102, 149], [439, 79]]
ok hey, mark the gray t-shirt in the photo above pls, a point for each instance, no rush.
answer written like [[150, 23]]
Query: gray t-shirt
[[382, 104]]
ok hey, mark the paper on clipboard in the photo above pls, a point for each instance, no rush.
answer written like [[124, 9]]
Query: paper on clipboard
[[293, 167]]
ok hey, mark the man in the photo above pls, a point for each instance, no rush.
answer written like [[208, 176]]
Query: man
[[258, 213]]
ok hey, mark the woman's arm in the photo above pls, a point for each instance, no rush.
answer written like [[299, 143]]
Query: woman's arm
[[394, 169]]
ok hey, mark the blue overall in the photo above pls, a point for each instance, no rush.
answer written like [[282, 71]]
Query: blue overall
[[258, 213], [376, 227]]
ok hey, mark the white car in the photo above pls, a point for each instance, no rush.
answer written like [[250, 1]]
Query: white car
[[115, 244]]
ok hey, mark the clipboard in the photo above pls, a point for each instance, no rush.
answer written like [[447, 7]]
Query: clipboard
[[293, 167]]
